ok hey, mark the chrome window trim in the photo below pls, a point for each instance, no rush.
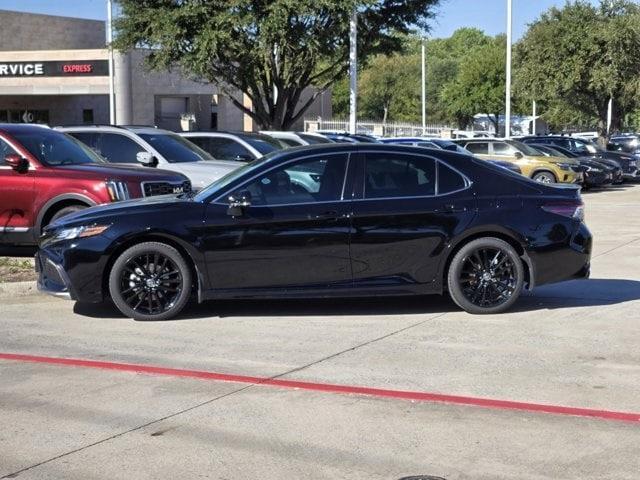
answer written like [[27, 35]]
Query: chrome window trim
[[468, 182], [348, 153]]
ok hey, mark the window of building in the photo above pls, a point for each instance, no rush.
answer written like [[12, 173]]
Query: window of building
[[396, 176], [87, 116]]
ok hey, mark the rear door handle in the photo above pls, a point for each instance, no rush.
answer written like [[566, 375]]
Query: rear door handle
[[450, 207], [330, 215]]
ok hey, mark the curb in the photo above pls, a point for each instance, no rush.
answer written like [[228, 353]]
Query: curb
[[17, 289]]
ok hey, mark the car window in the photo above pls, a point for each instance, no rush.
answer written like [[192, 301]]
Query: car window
[[396, 176], [290, 142], [222, 148], [174, 148], [313, 139], [90, 139], [5, 149], [318, 179], [502, 148], [449, 180], [427, 145], [480, 148], [118, 148], [55, 148], [262, 143]]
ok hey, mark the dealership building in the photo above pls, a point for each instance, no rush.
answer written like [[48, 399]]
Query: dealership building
[[55, 70]]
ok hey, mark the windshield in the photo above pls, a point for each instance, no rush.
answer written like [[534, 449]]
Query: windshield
[[174, 148], [524, 148], [262, 143], [55, 148], [230, 177]]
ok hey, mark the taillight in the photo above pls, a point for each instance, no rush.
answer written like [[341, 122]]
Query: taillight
[[566, 209]]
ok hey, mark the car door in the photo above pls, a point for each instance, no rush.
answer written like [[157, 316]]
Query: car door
[[17, 191], [403, 219], [295, 234]]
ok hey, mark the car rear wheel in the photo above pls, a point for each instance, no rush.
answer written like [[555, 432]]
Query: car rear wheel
[[486, 276], [544, 177], [150, 281]]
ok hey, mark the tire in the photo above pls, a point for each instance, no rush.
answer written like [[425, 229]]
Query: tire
[[150, 281], [478, 288], [66, 211], [544, 177]]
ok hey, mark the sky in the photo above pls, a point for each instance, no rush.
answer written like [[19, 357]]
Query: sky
[[488, 15]]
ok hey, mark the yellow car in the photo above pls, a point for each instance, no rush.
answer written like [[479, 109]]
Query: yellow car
[[532, 163]]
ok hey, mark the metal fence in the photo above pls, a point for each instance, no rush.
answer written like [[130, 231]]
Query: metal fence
[[395, 129]]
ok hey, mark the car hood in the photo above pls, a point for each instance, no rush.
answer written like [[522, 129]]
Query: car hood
[[111, 171], [203, 173], [118, 209]]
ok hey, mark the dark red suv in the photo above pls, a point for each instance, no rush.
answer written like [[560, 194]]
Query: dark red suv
[[46, 174]]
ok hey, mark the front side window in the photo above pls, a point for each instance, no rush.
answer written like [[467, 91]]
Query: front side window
[[5, 149], [118, 148], [397, 176], [478, 148], [501, 148], [174, 148], [55, 149], [318, 179]]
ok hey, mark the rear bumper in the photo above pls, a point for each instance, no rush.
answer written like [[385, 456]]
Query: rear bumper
[[569, 259]]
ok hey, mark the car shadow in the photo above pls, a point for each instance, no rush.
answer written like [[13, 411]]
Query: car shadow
[[576, 293]]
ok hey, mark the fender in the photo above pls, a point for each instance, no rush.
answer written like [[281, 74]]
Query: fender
[[37, 228], [488, 230]]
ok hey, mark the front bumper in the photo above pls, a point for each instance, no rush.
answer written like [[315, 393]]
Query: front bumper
[[52, 278], [632, 175]]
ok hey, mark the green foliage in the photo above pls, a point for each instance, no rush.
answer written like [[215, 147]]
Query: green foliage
[[252, 45], [479, 86], [578, 57]]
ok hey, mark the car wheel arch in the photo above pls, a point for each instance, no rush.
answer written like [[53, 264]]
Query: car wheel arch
[[544, 170], [54, 205], [496, 232], [196, 271]]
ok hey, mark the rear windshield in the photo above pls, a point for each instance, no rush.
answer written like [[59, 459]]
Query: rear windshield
[[55, 148], [174, 148]]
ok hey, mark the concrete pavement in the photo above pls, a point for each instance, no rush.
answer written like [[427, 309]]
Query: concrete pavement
[[573, 344]]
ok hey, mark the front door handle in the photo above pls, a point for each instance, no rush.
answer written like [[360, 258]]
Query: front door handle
[[330, 215], [452, 208]]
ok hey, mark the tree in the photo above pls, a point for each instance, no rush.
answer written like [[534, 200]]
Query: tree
[[479, 86], [581, 56], [254, 45]]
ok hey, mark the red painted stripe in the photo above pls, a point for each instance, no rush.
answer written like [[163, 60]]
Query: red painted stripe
[[330, 388]]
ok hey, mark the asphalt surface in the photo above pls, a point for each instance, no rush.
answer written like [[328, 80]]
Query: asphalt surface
[[568, 345]]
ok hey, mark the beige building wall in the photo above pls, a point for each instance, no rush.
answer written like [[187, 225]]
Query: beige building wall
[[31, 31]]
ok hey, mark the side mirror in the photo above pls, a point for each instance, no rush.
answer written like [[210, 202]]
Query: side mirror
[[146, 159], [16, 162], [519, 155], [238, 203], [243, 158]]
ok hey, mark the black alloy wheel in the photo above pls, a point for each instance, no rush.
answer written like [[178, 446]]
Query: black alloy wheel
[[486, 276], [150, 281]]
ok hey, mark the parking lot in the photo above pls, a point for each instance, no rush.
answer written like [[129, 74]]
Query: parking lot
[[567, 345]]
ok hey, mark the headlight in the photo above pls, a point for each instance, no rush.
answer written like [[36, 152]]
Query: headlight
[[117, 190], [78, 232], [564, 166]]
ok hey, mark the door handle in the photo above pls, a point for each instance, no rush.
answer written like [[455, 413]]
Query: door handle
[[452, 208], [330, 215]]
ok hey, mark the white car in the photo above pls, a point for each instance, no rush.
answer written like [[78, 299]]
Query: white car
[[152, 147], [238, 147], [297, 139]]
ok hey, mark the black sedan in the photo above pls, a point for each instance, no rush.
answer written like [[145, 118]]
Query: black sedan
[[325, 221]]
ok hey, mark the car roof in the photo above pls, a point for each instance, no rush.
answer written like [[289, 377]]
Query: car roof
[[114, 128], [22, 127]]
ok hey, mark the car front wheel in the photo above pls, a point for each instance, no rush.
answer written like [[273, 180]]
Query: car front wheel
[[544, 177], [486, 276], [150, 281]]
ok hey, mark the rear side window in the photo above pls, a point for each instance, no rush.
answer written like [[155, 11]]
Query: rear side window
[[480, 148], [501, 148], [449, 180], [397, 176]]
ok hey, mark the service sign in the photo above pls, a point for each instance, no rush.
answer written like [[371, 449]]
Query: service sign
[[61, 68]]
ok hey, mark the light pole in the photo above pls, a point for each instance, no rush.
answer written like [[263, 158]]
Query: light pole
[[112, 100], [424, 90], [507, 115], [353, 72]]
